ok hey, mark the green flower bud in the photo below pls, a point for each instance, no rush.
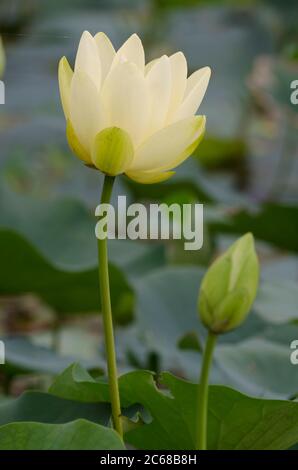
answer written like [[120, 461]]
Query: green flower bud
[[112, 151], [229, 287]]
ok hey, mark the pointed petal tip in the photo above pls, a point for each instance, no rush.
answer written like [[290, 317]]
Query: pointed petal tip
[[102, 35], [63, 62], [165, 58], [207, 71], [178, 54], [180, 58], [248, 237], [86, 33], [134, 38], [86, 37], [135, 35], [246, 242]]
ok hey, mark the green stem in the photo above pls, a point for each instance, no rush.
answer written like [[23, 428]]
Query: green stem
[[107, 315], [202, 405]]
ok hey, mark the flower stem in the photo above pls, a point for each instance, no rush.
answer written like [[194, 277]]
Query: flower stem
[[107, 315], [202, 405]]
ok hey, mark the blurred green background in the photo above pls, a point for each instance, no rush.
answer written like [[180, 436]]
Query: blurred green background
[[245, 172]]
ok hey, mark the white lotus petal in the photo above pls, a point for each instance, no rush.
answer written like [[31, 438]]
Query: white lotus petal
[[150, 177], [168, 146], [195, 78], [195, 90], [65, 75], [87, 59], [106, 53], [86, 111], [158, 81], [149, 66], [131, 51], [125, 97], [179, 77]]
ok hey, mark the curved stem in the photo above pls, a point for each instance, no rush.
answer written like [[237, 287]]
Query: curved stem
[[202, 405], [107, 315]]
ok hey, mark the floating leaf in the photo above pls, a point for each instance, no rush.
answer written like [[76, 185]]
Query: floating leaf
[[66, 291], [277, 302], [22, 354], [235, 421], [45, 408], [76, 435], [262, 224]]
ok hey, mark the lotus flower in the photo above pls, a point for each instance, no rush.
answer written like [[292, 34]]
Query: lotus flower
[[127, 117]]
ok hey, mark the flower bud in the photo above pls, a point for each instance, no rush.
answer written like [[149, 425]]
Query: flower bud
[[112, 151], [229, 287]]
